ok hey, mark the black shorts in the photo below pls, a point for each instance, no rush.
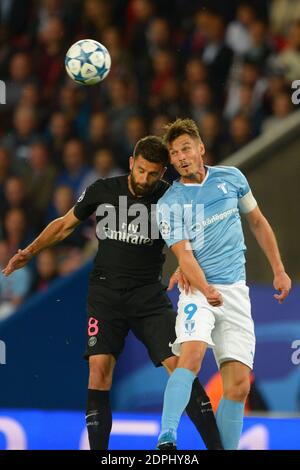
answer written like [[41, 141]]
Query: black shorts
[[145, 310]]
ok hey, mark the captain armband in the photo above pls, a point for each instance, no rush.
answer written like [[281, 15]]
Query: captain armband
[[247, 203]]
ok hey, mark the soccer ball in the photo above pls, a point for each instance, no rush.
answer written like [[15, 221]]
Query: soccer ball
[[87, 62]]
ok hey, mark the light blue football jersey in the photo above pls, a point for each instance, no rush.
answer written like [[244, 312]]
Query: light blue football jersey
[[208, 215]]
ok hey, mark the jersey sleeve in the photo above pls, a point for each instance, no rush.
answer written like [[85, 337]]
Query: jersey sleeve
[[246, 200], [170, 220], [89, 200]]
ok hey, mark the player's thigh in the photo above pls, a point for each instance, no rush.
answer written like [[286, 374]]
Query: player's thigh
[[157, 333], [107, 326], [233, 335], [194, 323], [153, 322]]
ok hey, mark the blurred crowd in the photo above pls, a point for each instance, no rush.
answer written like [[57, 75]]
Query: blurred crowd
[[228, 65]]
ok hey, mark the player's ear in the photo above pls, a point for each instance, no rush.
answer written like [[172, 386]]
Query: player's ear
[[131, 162], [202, 148]]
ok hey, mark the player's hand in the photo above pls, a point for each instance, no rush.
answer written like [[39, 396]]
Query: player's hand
[[283, 284], [179, 278], [213, 296], [17, 261]]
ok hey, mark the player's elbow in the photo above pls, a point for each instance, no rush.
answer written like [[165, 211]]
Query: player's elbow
[[256, 219], [68, 223], [60, 228]]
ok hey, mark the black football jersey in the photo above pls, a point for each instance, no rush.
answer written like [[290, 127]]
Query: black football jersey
[[130, 246]]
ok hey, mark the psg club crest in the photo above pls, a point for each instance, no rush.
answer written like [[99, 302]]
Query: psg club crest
[[92, 341]]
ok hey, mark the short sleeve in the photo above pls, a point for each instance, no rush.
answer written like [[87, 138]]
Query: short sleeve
[[246, 200], [89, 200], [243, 185], [170, 220]]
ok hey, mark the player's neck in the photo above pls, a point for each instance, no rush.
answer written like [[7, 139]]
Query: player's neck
[[195, 178]]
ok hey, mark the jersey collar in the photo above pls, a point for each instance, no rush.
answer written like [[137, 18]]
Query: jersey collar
[[208, 170]]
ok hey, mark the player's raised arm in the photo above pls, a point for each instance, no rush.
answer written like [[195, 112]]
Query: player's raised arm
[[194, 274], [266, 239], [55, 232], [171, 225]]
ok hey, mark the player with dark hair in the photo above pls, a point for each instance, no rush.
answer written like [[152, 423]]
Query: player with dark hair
[[125, 292]]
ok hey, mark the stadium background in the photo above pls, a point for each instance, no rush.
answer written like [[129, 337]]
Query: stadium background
[[231, 67]]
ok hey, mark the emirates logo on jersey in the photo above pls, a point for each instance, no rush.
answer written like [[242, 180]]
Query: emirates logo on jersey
[[134, 224]]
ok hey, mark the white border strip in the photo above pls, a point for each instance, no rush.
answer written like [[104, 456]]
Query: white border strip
[[135, 427]]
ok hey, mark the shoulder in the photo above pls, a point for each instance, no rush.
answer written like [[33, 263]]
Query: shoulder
[[228, 172], [171, 195], [224, 169], [234, 178], [113, 181], [113, 184], [161, 189]]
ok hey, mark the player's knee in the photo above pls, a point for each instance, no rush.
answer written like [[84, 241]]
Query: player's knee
[[192, 361], [99, 380], [170, 364], [100, 376], [238, 390]]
